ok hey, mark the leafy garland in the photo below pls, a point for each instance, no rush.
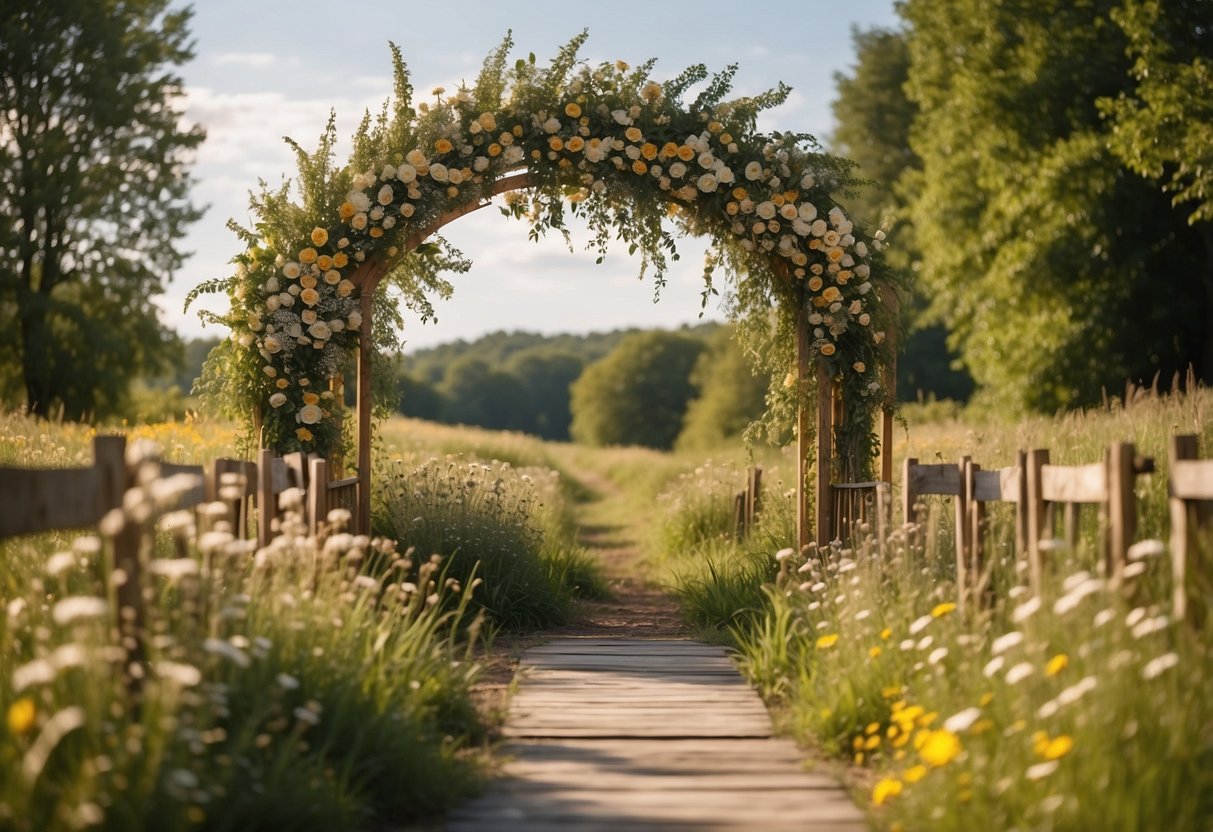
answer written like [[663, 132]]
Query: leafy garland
[[607, 143]]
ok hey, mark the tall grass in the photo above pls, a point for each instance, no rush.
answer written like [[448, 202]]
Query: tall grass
[[1081, 709], [280, 689]]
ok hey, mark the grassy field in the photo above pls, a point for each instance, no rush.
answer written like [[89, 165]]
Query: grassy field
[[275, 694]]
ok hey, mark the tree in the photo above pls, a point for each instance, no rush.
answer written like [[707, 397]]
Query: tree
[[1058, 271], [477, 394], [547, 373], [94, 194], [638, 394], [875, 118], [729, 396]]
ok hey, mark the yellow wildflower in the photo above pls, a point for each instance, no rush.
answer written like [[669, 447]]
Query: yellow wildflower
[[886, 632], [1057, 747], [940, 747], [887, 788], [1057, 664], [915, 773], [986, 699], [872, 743], [827, 641], [21, 716], [874, 652], [943, 609], [872, 728]]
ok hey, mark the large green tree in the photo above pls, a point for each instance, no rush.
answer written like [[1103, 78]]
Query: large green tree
[[93, 194], [729, 395], [874, 118], [638, 394], [1059, 271]]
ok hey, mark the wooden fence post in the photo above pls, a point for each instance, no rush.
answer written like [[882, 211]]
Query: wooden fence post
[[825, 454], [317, 493], [266, 498], [1036, 460], [1122, 514]]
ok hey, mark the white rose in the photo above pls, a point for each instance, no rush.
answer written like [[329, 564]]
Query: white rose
[[621, 117], [512, 155], [753, 171], [310, 414], [360, 201], [354, 319], [707, 160], [322, 331], [819, 228], [291, 270], [278, 400], [707, 183], [480, 164], [552, 125], [807, 211], [406, 174], [272, 303], [438, 172], [807, 181], [766, 210], [678, 170], [415, 158]]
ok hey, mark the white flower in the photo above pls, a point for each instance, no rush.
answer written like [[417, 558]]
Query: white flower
[[1026, 610], [291, 270], [993, 666], [310, 414], [37, 672], [707, 183], [1041, 770], [78, 608], [438, 172], [1006, 642], [621, 117], [407, 173], [784, 554], [185, 675], [962, 721], [229, 651], [512, 155], [320, 330], [1019, 672], [819, 228], [278, 400], [937, 655], [360, 201], [386, 195], [766, 210], [921, 624], [1146, 549], [807, 181], [753, 171], [1076, 691], [1150, 625]]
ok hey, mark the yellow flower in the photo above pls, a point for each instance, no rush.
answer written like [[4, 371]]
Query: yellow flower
[[308, 255], [309, 296], [814, 284], [828, 349], [639, 166], [669, 150], [940, 747], [726, 138], [831, 294], [887, 788], [886, 632], [872, 743], [304, 435], [1057, 747], [890, 693], [319, 236], [494, 149], [324, 262], [346, 210], [874, 652], [686, 153], [649, 151], [556, 143], [872, 728], [986, 699], [282, 384], [311, 398], [827, 641], [341, 260], [943, 609], [572, 110], [915, 773], [21, 716], [307, 282], [443, 146], [575, 144], [633, 134], [1057, 664]]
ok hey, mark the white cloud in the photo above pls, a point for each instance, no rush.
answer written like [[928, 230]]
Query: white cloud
[[256, 60]]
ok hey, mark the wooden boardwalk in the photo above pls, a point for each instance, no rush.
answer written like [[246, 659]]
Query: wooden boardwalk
[[612, 734]]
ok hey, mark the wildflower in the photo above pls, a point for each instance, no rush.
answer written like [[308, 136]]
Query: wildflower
[[1006, 642], [1019, 672], [1026, 610], [915, 773], [827, 641], [874, 651], [1159, 666], [887, 788], [885, 633], [962, 721], [1057, 747], [1057, 664], [939, 747], [78, 608], [1041, 770], [943, 609], [920, 624], [21, 716]]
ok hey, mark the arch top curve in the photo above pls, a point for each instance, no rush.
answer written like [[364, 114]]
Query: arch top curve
[[592, 134]]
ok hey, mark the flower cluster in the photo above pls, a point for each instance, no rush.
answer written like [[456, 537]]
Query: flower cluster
[[601, 135]]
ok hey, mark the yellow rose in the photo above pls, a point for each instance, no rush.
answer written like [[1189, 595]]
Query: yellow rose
[[341, 260], [282, 384], [345, 288], [649, 151], [814, 284], [376, 231], [639, 167], [309, 296], [828, 349], [319, 236], [303, 435], [556, 143], [308, 255], [832, 294], [686, 153], [346, 210], [332, 277], [324, 262], [572, 110], [307, 282], [669, 150], [633, 134], [443, 146], [575, 144], [311, 398]]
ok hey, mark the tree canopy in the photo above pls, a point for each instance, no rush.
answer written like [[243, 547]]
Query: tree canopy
[[93, 195], [1058, 270]]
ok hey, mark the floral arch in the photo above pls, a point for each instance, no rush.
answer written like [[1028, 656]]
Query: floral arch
[[606, 143]]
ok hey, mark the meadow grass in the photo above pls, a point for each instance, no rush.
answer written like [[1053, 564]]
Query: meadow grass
[[1081, 709]]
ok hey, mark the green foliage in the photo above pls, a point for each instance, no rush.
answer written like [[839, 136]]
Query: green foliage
[[546, 375], [476, 394], [729, 396], [637, 395], [90, 131], [1057, 273]]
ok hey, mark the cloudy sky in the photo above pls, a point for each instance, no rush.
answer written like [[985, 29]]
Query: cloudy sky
[[265, 69]]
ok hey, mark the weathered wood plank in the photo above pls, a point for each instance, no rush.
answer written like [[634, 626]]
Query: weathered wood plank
[[648, 736], [1192, 479], [1074, 483]]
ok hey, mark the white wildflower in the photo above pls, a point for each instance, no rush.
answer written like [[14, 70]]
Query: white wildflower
[[1042, 770], [962, 721], [1019, 672], [1158, 666], [1005, 642], [78, 608], [1026, 610]]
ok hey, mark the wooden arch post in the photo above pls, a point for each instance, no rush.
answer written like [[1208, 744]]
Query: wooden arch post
[[366, 279]]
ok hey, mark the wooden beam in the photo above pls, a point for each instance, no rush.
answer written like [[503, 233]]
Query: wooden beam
[[825, 453], [363, 515], [802, 428]]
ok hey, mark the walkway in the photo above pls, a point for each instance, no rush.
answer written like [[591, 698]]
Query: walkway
[[636, 734]]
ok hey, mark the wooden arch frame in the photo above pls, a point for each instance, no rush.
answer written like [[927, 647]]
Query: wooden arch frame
[[367, 277]]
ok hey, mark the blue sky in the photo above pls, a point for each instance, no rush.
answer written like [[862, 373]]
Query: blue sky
[[264, 69]]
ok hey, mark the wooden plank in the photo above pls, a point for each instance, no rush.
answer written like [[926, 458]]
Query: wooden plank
[[1074, 483], [942, 478], [1191, 479], [1000, 485], [36, 500]]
